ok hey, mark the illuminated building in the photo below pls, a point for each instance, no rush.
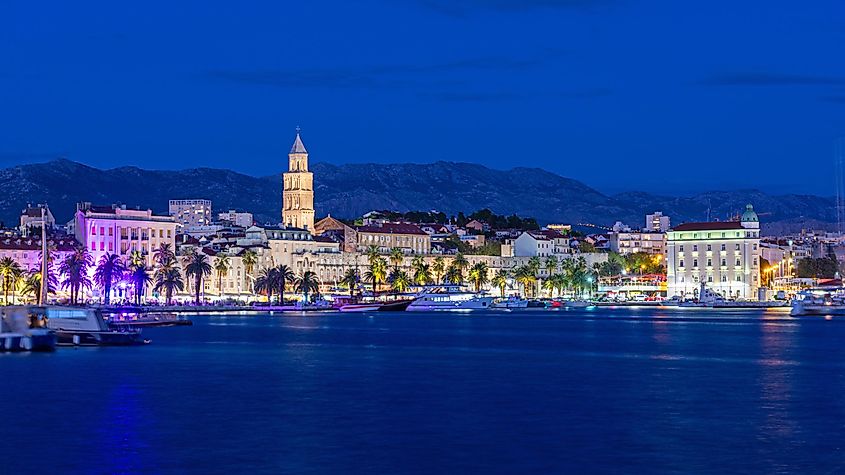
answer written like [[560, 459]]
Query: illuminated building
[[298, 192], [724, 256]]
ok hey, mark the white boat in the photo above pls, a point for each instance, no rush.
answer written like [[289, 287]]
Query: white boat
[[86, 326], [819, 302], [449, 298], [361, 307], [22, 330], [510, 302]]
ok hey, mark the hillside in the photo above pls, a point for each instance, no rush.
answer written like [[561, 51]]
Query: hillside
[[350, 190]]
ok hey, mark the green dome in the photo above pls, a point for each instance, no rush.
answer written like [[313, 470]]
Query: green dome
[[749, 216]]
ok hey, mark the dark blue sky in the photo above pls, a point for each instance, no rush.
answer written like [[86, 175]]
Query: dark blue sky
[[671, 96]]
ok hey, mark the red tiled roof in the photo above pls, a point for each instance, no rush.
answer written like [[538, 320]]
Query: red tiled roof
[[34, 244], [392, 228], [711, 226]]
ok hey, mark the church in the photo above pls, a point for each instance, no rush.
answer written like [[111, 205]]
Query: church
[[298, 189]]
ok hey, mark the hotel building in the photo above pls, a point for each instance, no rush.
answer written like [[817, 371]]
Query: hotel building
[[385, 236], [117, 230], [723, 256]]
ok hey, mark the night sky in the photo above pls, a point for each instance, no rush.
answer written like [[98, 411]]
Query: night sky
[[663, 96]]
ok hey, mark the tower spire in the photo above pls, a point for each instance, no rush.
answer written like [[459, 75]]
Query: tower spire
[[298, 146]]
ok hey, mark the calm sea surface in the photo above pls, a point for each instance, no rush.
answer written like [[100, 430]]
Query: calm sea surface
[[601, 391]]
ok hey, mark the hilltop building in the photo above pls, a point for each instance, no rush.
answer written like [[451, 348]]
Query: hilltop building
[[298, 191], [656, 222], [724, 256]]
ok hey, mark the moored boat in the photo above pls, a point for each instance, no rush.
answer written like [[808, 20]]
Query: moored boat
[[21, 330], [87, 326], [511, 302], [820, 301], [449, 298]]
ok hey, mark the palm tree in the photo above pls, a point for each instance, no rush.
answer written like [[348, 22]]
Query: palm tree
[[377, 273], [74, 268], [438, 267], [163, 253], [350, 280], [396, 257], [10, 273], [168, 278], [525, 276], [221, 267], [140, 279], [478, 275], [266, 282], [197, 266], [306, 283], [249, 258], [551, 264], [372, 253], [460, 262], [422, 275], [136, 258], [399, 281], [284, 276], [500, 280], [454, 275], [32, 285], [109, 270]]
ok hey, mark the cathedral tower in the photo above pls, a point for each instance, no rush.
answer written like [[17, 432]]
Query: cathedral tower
[[298, 192]]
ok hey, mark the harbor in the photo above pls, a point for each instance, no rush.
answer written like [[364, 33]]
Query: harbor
[[585, 388]]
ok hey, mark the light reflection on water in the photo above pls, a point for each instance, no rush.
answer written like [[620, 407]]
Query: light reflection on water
[[589, 390]]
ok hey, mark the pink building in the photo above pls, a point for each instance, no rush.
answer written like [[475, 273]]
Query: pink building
[[117, 230]]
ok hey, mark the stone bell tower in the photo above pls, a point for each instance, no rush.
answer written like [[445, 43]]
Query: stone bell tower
[[298, 191]]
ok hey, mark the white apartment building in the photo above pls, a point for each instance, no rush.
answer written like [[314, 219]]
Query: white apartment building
[[724, 256], [656, 222], [630, 242], [191, 213], [236, 218], [117, 230]]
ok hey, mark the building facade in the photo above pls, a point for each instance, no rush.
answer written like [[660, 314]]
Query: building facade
[[385, 236], [630, 242], [724, 257], [657, 222], [298, 191], [191, 213], [237, 218], [117, 230]]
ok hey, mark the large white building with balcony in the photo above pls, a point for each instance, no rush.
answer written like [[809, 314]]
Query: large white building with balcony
[[723, 256]]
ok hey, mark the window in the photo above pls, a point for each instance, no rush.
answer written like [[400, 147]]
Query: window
[[93, 230], [709, 247], [111, 247], [694, 247], [755, 261], [736, 247], [754, 247], [681, 248], [695, 262], [739, 278], [709, 262], [93, 246], [724, 278], [102, 231], [723, 246], [709, 278], [738, 262], [111, 231], [724, 262], [102, 246]]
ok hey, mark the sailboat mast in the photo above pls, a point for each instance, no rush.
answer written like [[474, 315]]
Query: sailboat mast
[[44, 256]]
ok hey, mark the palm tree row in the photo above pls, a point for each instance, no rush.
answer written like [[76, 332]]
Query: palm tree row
[[274, 280]]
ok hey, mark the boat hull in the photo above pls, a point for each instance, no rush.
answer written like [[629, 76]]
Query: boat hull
[[476, 304], [354, 308]]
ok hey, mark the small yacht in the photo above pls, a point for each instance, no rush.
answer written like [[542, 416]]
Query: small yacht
[[449, 298], [22, 330], [821, 301], [86, 326]]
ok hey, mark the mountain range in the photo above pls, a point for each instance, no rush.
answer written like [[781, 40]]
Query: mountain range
[[353, 189]]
